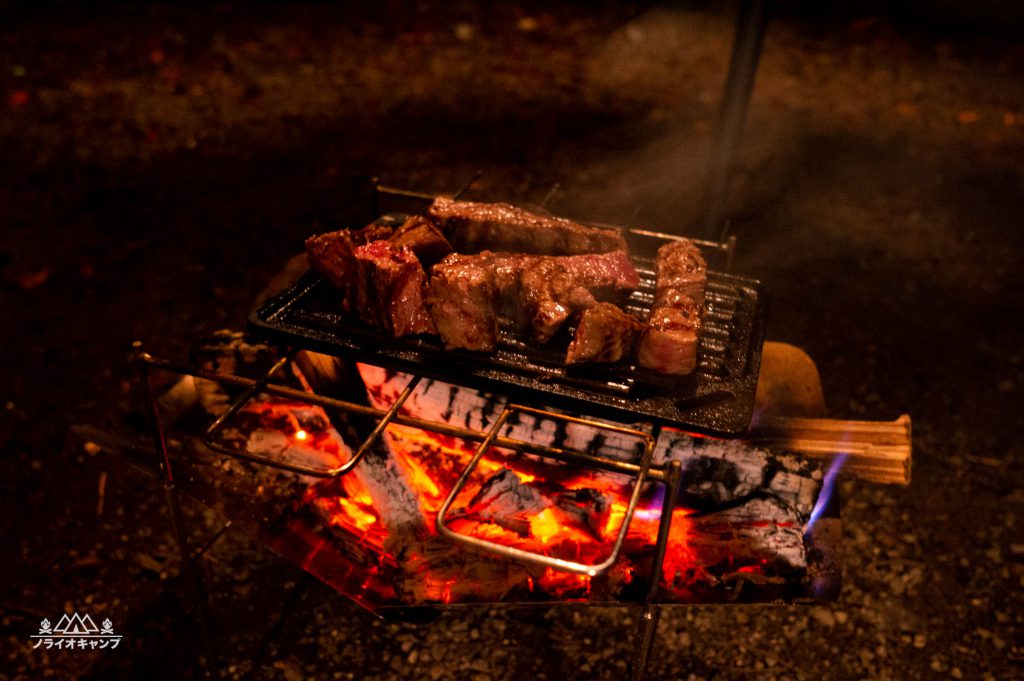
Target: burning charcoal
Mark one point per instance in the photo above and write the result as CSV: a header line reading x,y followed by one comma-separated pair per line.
x,y
750,504
472,227
321,448
724,472
389,290
440,401
605,334
462,299
505,501
424,238
286,431
586,509
763,532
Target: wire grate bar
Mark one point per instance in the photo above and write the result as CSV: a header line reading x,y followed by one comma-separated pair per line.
x,y
501,550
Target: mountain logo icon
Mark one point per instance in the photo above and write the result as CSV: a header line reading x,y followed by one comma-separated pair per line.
x,y
76,632
75,625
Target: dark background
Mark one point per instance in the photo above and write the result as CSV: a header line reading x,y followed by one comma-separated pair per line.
x,y
161,161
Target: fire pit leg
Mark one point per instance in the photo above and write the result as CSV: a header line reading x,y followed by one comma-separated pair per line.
x,y
192,578
651,613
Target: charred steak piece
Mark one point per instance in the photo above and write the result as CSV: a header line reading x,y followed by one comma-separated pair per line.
x,y
473,227
681,267
389,288
605,334
549,294
462,300
669,343
424,238
551,289
333,255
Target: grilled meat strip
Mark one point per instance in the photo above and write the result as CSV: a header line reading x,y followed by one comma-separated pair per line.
x,y
333,255
540,292
605,275
605,334
462,299
669,343
473,227
389,288
424,238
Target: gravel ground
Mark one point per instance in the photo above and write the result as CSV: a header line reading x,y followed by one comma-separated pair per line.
x,y
160,164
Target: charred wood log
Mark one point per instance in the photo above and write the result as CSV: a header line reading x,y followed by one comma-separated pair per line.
x,y
751,504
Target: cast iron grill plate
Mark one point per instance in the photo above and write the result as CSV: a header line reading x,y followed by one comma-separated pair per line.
x,y
716,399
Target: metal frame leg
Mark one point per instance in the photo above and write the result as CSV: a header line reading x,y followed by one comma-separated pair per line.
x,y
651,613
188,569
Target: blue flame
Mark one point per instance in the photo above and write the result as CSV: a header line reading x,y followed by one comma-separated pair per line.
x,y
652,510
827,487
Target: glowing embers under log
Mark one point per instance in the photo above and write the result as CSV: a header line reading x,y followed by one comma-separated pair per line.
x,y
553,509
743,521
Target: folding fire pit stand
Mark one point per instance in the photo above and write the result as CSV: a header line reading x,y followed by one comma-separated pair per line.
x,y
668,474
876,451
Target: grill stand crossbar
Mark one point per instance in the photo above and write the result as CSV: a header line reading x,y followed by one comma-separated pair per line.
x,y
668,474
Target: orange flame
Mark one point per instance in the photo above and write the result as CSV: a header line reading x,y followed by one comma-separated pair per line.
x,y
545,526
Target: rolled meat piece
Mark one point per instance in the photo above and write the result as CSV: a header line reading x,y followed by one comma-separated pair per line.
x,y
604,334
669,343
463,300
332,255
473,227
389,290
